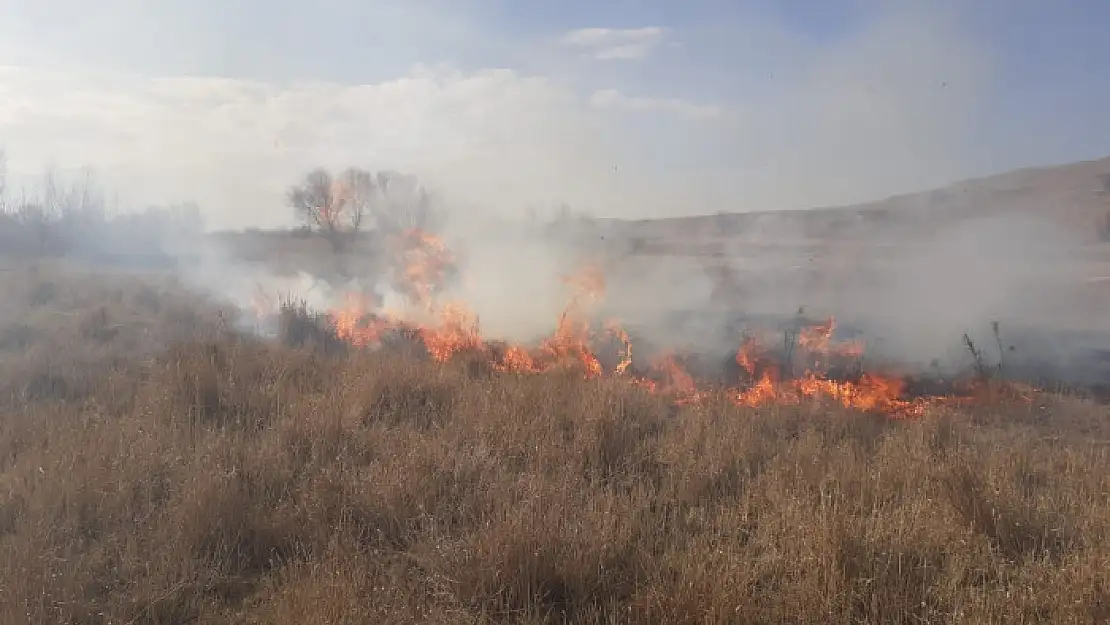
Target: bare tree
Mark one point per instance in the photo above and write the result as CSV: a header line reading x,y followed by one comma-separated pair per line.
x,y
62,213
40,215
339,207
402,203
333,205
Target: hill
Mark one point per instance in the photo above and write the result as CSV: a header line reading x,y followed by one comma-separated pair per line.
x,y
1076,196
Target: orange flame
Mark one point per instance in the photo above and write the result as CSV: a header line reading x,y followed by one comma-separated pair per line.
x,y
423,262
458,331
422,269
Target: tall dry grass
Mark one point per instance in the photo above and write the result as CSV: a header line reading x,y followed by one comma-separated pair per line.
x,y
218,479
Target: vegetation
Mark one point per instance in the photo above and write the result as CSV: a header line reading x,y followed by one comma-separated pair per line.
x,y
58,217
158,467
340,207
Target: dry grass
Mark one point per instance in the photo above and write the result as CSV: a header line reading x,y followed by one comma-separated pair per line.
x,y
205,478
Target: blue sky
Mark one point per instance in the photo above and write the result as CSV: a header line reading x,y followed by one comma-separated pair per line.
x,y
627,108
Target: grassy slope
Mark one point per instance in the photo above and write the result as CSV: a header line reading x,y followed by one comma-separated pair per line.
x,y
1074,195
155,468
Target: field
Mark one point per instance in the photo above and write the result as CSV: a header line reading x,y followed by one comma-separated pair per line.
x,y
173,451
159,466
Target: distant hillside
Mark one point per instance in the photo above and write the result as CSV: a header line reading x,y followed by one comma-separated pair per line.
x,y
1076,196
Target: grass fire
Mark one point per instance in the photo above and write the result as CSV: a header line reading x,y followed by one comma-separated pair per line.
x,y
281,427
450,329
453,312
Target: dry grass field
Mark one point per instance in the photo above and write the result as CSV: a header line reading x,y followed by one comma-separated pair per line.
x,y
158,467
163,462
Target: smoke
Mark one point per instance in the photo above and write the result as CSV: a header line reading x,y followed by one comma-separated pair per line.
x,y
911,290
919,298
911,286
962,277
512,281
728,111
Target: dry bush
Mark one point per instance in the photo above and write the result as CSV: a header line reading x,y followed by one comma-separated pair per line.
x,y
220,479
300,327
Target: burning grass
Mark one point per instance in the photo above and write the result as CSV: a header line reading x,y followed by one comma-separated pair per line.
x,y
817,368
208,477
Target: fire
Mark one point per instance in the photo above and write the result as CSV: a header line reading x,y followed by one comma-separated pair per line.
x,y
357,324
871,392
614,329
676,381
458,331
571,343
423,263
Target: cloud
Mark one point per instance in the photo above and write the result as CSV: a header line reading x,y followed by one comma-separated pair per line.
x,y
907,99
364,41
496,140
610,44
614,99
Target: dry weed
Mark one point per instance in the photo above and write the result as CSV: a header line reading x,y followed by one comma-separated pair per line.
x,y
207,478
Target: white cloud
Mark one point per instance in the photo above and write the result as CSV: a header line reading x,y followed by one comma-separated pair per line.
x,y
614,99
905,102
607,44
494,139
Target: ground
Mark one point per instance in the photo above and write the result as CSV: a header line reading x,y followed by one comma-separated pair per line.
x,y
162,462
158,466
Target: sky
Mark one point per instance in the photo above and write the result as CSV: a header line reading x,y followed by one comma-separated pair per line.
x,y
627,108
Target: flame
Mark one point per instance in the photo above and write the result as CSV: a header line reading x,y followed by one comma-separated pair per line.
x,y
358,324
871,392
614,328
457,331
423,263
677,382
571,343
516,359
817,337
